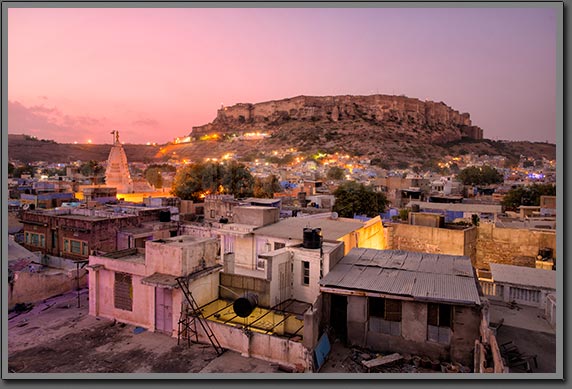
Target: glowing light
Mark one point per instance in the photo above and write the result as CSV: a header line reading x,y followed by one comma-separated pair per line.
x,y
75,142
89,141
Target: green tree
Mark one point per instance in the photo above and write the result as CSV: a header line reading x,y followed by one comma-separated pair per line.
x,y
528,196
237,180
335,173
194,181
266,187
11,169
26,169
484,175
353,198
91,168
154,177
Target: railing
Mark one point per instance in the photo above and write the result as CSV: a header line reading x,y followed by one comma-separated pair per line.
x,y
501,292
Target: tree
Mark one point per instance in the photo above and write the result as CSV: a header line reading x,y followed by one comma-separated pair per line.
x,y
353,198
11,169
154,177
266,187
195,181
527,195
237,180
484,175
335,173
91,168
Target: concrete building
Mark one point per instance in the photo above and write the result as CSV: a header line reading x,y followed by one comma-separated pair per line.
x,y
452,211
406,302
141,289
75,233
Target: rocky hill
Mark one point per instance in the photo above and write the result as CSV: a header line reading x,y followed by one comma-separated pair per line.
x,y
380,117
395,130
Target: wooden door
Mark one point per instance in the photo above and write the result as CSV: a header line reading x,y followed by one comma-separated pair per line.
x,y
164,310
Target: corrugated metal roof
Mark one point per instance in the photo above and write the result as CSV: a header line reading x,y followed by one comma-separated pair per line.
x,y
435,277
525,276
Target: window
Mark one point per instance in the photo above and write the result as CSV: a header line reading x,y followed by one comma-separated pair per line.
x,y
34,239
76,247
305,273
212,213
123,292
278,245
261,264
385,316
439,323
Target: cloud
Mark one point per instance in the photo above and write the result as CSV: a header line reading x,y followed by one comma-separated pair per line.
x,y
146,122
50,122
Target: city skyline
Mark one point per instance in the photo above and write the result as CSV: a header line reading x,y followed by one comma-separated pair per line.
x,y
153,74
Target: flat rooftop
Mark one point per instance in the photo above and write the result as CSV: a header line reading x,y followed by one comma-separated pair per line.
x,y
181,241
293,228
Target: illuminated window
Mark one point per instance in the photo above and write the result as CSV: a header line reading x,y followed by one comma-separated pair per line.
x,y
305,273
385,316
439,323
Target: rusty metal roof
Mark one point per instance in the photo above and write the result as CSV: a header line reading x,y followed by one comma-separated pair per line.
x,y
422,276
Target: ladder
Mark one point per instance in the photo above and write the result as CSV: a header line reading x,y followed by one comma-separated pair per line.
x,y
195,315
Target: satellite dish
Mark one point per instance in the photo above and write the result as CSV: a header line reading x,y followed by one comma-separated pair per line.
x,y
334,215
25,207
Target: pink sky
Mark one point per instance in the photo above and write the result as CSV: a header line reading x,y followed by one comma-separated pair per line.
x,y
152,74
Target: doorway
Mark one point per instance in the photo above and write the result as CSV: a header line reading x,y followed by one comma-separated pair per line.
x,y
339,316
164,310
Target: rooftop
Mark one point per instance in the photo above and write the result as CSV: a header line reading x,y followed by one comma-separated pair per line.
x,y
181,241
423,276
293,228
520,275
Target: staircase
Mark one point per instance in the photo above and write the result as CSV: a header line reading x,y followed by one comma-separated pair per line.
x,y
190,315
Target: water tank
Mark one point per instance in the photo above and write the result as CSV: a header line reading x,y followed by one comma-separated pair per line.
x,y
243,306
415,208
312,238
545,253
164,216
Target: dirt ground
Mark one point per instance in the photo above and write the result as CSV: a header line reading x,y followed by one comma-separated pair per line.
x,y
58,337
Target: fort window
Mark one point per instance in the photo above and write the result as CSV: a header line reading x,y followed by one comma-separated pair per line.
x,y
385,316
34,239
439,323
123,292
305,273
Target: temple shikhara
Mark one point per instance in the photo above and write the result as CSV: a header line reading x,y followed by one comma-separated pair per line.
x,y
117,172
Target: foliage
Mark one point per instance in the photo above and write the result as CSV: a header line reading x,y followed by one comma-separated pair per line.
x,y
404,214
11,169
266,187
26,169
484,175
353,198
154,177
475,219
53,172
153,173
335,173
91,168
194,181
528,196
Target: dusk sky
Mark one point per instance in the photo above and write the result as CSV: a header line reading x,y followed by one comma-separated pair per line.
x,y
153,74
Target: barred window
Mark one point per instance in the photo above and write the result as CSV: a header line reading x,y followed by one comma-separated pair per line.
x,y
34,239
123,291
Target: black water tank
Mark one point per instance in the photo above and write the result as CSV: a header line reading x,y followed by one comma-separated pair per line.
x,y
545,253
164,216
243,306
312,238
415,208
